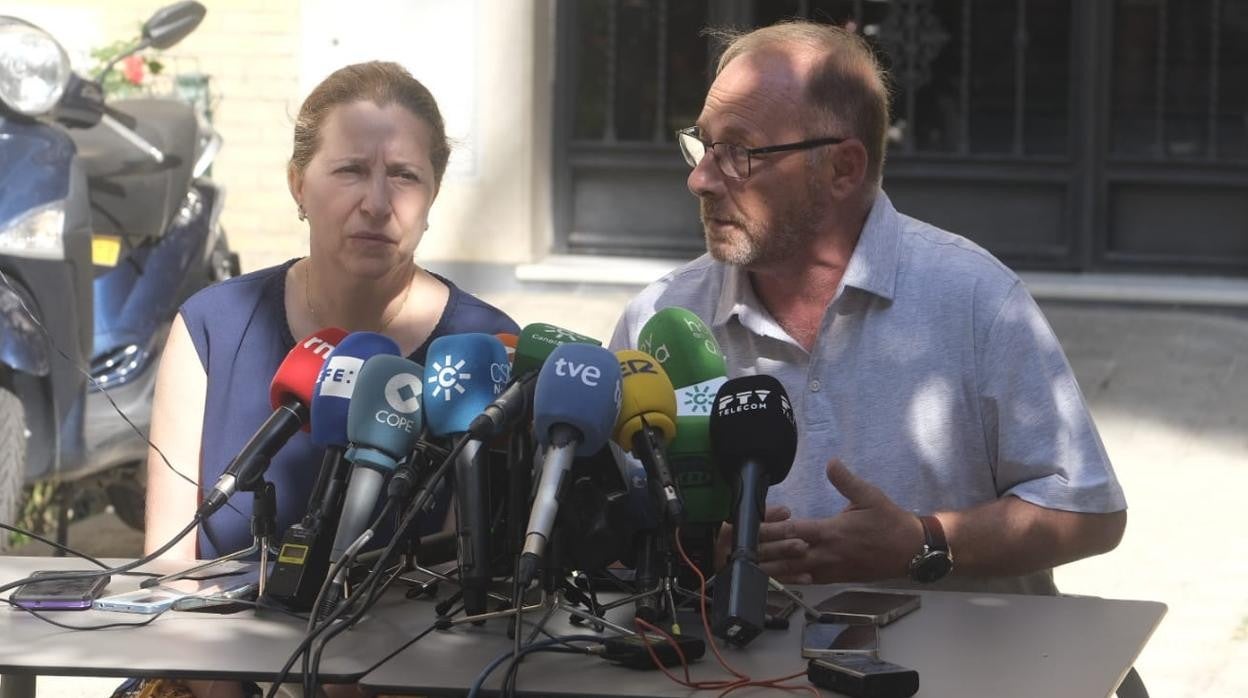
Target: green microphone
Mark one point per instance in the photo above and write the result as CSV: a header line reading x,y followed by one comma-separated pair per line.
x,y
536,342
685,348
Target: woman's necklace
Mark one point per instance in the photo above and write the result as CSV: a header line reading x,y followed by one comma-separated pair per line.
x,y
307,299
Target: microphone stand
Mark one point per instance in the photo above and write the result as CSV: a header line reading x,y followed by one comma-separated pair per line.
x,y
263,528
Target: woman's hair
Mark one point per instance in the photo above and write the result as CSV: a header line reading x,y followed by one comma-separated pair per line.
x,y
381,83
849,88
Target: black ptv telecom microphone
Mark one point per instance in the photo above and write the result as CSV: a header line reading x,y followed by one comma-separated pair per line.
x,y
753,439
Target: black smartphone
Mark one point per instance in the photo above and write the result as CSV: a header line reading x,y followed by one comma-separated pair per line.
x,y
76,594
862,676
867,606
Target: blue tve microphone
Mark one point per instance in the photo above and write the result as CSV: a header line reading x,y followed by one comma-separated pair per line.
x,y
464,374
575,404
384,421
304,558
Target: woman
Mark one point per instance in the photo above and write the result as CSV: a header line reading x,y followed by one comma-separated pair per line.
x,y
369,154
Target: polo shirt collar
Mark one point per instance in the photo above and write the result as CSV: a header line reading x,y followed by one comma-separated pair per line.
x,y
872,268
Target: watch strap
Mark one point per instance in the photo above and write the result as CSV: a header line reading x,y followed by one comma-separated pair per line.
x,y
934,533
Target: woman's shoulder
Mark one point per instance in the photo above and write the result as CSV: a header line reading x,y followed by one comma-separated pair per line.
x,y
468,313
225,314
240,289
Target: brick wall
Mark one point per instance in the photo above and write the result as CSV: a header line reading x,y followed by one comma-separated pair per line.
x,y
253,53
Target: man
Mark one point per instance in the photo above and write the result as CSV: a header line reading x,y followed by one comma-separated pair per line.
x,y
931,395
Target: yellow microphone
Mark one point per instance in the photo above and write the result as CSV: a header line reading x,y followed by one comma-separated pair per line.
x,y
647,423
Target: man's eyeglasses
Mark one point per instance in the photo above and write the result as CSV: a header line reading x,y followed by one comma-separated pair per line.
x,y
734,160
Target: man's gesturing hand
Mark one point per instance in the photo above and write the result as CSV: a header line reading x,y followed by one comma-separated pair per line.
x,y
871,539
778,545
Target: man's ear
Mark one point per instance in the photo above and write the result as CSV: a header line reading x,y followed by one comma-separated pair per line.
x,y
849,167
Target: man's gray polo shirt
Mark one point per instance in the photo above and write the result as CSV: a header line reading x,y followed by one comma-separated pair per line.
x,y
934,376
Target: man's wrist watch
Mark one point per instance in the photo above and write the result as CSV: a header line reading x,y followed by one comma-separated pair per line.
x,y
934,561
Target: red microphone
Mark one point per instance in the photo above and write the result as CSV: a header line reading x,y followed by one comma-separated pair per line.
x,y
290,394
509,342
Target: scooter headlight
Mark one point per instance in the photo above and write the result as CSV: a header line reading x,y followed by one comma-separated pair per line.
x,y
34,69
37,233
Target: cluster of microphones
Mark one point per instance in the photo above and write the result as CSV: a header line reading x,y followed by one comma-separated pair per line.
x,y
538,492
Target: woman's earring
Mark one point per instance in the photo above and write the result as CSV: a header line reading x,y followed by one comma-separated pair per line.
x,y
303,215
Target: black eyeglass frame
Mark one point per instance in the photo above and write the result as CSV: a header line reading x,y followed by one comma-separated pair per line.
x,y
692,132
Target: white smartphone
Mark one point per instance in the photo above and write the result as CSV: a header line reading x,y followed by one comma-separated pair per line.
x,y
147,601
821,639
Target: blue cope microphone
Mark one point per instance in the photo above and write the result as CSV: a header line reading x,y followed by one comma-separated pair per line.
x,y
575,404
331,399
383,424
304,558
464,374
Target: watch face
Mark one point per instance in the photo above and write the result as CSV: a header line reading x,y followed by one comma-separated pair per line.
x,y
930,566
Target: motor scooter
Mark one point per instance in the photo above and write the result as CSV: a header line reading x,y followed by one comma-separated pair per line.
x,y
108,222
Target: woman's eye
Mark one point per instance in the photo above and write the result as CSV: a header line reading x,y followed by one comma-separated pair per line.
x,y
410,176
348,169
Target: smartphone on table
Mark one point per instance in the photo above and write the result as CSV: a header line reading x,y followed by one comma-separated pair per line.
x,y
830,639
146,601
861,676
75,594
240,597
868,606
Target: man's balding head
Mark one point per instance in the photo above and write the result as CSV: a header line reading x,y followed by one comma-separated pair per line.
x,y
845,86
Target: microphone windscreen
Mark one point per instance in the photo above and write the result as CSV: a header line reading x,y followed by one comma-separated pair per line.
x,y
296,376
684,345
578,386
384,418
647,398
336,381
463,374
509,342
753,420
537,341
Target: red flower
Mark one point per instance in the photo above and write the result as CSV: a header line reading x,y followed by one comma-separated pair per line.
x,y
133,69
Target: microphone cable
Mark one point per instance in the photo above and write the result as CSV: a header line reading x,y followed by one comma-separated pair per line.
x,y
99,387
94,561
195,521
539,646
365,587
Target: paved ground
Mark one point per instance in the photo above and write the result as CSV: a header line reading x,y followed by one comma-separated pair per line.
x,y
1169,391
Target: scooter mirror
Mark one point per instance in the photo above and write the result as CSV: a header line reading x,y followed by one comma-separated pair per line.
x,y
172,23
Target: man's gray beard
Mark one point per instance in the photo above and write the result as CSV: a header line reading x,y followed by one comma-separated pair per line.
x,y
753,247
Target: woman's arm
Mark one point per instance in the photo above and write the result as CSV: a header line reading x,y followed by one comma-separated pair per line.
x,y
177,427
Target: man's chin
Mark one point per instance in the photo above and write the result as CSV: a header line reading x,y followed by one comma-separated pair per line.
x,y
729,253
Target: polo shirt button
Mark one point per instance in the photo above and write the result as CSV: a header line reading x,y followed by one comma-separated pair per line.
x,y
814,386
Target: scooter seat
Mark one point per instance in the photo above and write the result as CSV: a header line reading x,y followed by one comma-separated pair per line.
x,y
131,194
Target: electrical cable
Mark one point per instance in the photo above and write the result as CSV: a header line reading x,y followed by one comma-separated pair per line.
x,y
104,626
98,563
538,646
54,544
98,387
115,570
367,588
363,589
743,679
